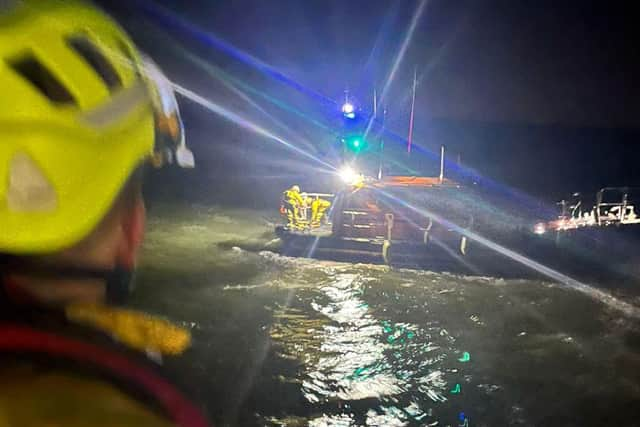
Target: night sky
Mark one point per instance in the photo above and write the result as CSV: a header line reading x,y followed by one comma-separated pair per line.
x,y
515,86
542,62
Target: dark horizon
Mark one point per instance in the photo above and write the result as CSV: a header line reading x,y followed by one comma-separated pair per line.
x,y
569,63
538,97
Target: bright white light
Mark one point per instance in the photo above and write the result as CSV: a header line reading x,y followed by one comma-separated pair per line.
x,y
540,228
348,109
348,175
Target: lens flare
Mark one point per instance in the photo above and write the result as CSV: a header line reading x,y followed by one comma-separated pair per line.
x,y
348,175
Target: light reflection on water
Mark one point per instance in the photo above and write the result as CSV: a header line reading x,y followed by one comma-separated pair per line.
x,y
401,371
295,342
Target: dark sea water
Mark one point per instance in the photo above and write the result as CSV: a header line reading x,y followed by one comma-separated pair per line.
x,y
284,341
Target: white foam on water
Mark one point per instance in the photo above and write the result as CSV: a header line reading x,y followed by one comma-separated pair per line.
x,y
272,242
245,287
341,420
626,308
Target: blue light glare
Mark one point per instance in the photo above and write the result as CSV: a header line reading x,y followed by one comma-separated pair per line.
x,y
348,108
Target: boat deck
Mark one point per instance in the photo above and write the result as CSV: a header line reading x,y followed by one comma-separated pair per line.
x,y
325,230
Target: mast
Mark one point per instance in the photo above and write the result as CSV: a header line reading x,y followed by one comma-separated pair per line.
x,y
375,103
441,164
381,134
413,105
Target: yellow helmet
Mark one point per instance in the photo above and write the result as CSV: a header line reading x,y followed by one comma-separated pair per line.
x,y
76,119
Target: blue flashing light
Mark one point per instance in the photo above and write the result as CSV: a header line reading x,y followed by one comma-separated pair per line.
x,y
348,108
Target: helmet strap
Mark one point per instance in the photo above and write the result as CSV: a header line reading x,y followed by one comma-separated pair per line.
x,y
118,280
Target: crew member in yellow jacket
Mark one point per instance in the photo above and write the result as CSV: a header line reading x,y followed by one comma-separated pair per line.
x,y
318,208
80,117
292,202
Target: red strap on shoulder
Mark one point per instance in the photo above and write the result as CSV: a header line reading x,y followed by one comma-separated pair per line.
x,y
14,292
25,339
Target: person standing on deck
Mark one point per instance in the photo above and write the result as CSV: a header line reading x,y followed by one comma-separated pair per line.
x,y
292,202
318,208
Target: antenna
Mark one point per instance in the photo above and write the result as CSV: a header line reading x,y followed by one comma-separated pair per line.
x,y
375,103
413,105
380,160
441,164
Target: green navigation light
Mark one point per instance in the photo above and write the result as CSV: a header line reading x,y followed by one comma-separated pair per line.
x,y
465,357
355,143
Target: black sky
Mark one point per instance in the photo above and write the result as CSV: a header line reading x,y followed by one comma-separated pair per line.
x,y
571,63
